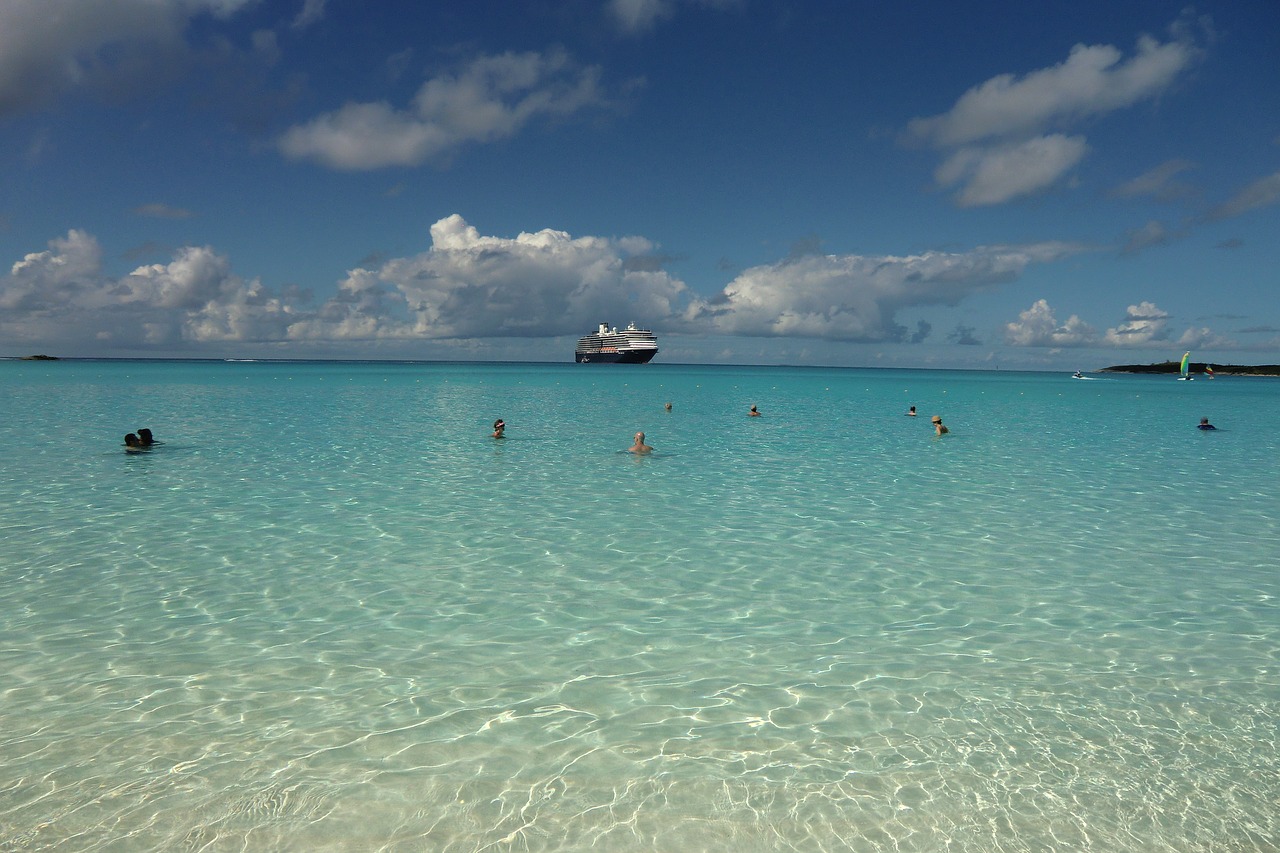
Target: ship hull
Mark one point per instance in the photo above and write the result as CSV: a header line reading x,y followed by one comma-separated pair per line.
x,y
637,357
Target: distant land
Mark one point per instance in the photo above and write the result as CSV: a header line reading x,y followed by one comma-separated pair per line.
x,y
1197,367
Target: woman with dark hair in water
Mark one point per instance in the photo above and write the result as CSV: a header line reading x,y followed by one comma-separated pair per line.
x,y
499,428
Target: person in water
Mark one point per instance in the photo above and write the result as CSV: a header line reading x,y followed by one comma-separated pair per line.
x,y
1204,424
911,412
639,446
132,444
938,426
499,428
668,407
753,413
145,438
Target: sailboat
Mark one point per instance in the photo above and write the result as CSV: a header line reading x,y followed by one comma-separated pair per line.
x,y
1208,370
1183,374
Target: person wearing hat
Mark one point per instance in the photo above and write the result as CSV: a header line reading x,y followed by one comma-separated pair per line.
x,y
498,426
938,426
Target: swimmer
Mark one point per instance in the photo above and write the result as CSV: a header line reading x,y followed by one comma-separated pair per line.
x,y
132,444
499,428
144,437
911,412
668,407
938,427
753,413
1204,424
639,446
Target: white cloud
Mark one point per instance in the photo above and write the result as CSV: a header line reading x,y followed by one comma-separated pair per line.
x,y
637,16
1205,338
1091,81
1143,324
544,283
1037,327
1152,234
470,286
853,297
43,281
999,131
48,47
160,210
466,285
312,11
999,173
1263,192
1157,183
491,98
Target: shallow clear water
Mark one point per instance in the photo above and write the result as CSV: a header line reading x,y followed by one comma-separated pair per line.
x,y
331,613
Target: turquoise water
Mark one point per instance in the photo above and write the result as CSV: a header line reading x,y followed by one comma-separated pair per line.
x,y
331,613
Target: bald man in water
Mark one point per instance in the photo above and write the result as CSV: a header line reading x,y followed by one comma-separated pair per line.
x,y
639,446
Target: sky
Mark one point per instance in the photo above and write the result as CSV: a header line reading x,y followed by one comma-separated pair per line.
x,y
1001,185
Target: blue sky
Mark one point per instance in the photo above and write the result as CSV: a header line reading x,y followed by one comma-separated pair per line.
x,y
1006,184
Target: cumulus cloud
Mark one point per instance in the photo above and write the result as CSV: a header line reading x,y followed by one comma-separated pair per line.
x,y
999,131
1263,192
855,297
468,286
1143,324
62,295
465,285
491,98
1037,327
1205,338
49,47
535,284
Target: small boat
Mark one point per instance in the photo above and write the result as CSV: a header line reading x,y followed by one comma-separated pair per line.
x,y
1208,370
1183,373
611,346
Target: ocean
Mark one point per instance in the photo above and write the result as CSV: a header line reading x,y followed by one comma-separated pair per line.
x,y
330,612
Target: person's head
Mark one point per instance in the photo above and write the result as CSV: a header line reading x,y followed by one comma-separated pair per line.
x,y
912,409
936,419
499,425
668,407
639,438
131,440
144,436
1204,420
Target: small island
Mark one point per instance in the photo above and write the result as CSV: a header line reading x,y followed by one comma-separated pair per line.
x,y
39,358
1172,367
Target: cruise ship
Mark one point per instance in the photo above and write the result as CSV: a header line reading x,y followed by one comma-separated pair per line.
x,y
611,346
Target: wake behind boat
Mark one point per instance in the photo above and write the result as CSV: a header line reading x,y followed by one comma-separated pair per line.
x,y
610,346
